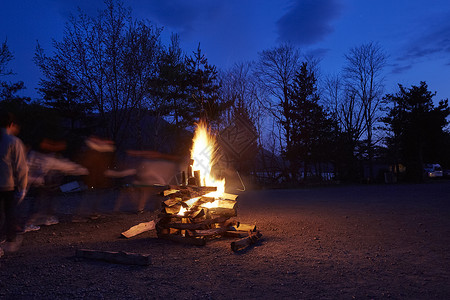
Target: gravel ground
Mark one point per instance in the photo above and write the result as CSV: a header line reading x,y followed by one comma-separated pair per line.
x,y
340,242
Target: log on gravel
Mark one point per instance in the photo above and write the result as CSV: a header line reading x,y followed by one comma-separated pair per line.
x,y
115,257
252,238
138,229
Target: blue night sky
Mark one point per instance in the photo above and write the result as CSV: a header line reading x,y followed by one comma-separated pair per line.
x,y
414,33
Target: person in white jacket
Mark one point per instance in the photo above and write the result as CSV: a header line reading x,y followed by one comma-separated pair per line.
x,y
13,179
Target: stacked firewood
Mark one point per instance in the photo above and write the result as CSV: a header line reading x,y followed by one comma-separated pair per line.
x,y
186,214
190,213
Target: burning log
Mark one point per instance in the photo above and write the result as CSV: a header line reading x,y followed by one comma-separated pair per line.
x,y
252,238
222,211
194,226
197,214
197,178
228,196
172,209
115,257
199,207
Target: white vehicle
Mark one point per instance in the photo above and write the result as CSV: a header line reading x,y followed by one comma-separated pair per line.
x,y
433,170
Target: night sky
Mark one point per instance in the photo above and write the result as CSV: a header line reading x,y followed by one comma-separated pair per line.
x,y
414,33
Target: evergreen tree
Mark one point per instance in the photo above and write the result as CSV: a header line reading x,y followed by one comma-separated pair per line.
x,y
65,98
415,128
310,128
203,88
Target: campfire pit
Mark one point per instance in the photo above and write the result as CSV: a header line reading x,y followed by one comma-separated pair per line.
x,y
199,209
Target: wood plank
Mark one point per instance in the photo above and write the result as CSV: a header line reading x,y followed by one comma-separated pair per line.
x,y
170,191
172,201
138,229
115,257
224,212
227,203
228,196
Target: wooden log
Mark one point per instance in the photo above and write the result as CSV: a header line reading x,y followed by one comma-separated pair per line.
x,y
197,178
230,223
205,200
197,214
138,229
235,234
228,196
192,181
201,189
189,170
210,232
183,178
245,227
170,192
198,241
245,242
172,201
227,203
194,226
172,210
115,257
224,212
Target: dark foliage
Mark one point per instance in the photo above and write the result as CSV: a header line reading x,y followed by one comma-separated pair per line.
x,y
311,130
415,127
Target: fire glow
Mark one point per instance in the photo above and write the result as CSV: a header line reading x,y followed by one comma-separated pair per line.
x,y
198,209
203,152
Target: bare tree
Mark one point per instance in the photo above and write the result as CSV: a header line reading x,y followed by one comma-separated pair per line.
x,y
238,87
275,71
344,107
364,79
347,111
110,58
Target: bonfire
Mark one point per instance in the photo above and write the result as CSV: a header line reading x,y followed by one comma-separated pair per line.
x,y
199,209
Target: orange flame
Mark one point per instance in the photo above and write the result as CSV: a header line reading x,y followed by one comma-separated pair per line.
x,y
202,153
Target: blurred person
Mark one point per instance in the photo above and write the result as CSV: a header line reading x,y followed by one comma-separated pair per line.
x,y
97,158
45,175
13,179
153,172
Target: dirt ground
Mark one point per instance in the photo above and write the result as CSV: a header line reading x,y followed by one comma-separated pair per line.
x,y
340,242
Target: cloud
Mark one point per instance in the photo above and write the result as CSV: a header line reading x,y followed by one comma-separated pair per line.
x,y
70,7
398,68
180,15
319,53
308,21
432,42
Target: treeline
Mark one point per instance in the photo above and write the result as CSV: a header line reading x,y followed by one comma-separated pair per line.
x,y
111,73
